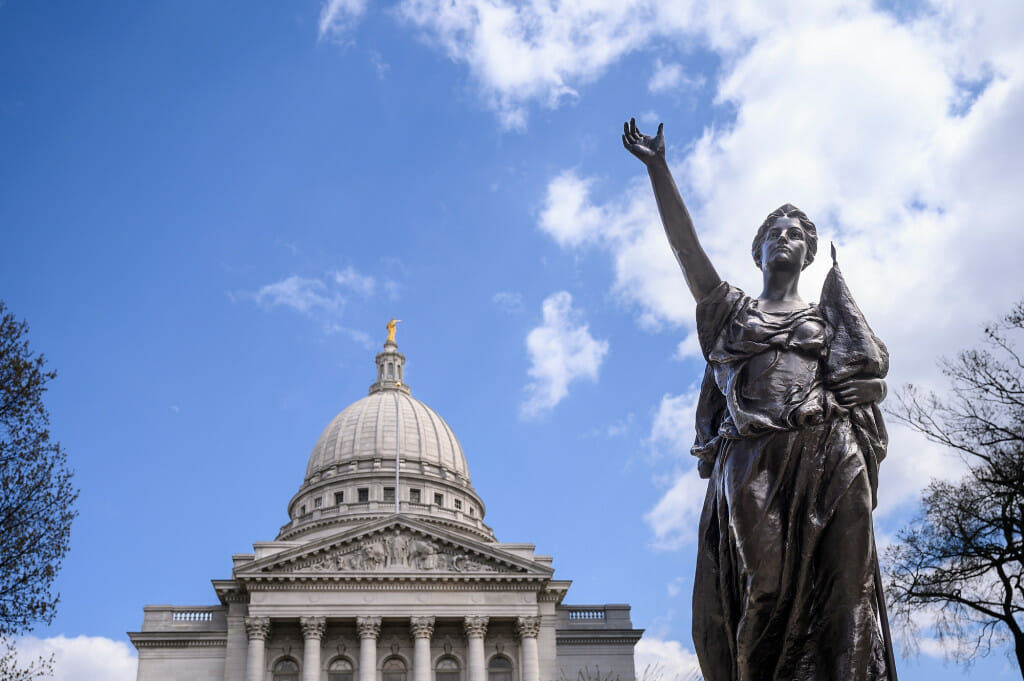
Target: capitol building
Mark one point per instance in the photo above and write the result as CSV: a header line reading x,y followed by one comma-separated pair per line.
x,y
386,571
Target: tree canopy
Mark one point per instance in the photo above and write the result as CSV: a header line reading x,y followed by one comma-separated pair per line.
x,y
960,564
37,499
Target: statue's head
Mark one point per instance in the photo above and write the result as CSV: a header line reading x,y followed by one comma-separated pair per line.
x,y
787,210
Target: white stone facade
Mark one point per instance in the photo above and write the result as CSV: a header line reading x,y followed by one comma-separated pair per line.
x,y
396,579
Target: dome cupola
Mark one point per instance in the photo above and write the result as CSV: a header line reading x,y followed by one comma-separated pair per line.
x,y
384,454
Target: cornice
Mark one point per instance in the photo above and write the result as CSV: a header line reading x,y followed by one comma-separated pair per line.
x,y
294,583
357,518
145,639
621,636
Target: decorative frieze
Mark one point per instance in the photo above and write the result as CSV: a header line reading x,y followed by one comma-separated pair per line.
x,y
368,627
313,627
421,627
528,627
475,626
257,628
399,551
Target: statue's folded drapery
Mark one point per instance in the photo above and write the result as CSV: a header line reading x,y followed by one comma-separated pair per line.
x,y
786,583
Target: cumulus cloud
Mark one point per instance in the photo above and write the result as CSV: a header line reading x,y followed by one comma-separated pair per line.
x,y
82,658
665,659
300,293
339,17
561,351
906,155
673,519
670,76
646,275
323,299
520,53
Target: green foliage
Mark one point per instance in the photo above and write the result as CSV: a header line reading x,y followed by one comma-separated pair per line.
x,y
36,496
960,564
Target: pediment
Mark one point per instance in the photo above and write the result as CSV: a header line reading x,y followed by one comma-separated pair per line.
x,y
396,548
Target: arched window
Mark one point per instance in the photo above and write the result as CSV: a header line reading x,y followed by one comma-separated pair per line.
x,y
447,669
286,670
394,669
340,670
499,669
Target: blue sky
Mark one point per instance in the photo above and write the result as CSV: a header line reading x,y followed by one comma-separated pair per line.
x,y
210,211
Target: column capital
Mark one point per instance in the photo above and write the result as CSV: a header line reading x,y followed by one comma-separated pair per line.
x,y
257,628
313,627
421,627
369,627
528,627
476,626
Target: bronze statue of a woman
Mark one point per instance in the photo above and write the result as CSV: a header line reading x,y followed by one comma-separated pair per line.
x,y
790,436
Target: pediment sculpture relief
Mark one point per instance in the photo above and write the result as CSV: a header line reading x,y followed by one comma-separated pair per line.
x,y
399,552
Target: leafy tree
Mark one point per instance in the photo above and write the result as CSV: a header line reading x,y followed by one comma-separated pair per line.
x,y
961,562
36,496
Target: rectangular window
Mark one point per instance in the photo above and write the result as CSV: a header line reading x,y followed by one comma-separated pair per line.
x,y
414,496
389,494
318,502
364,494
438,499
458,504
302,510
472,511
339,498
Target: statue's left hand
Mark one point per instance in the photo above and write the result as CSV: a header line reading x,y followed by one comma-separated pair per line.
x,y
859,391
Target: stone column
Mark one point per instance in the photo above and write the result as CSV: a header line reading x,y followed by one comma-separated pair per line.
x,y
527,629
476,627
257,628
369,630
312,631
422,629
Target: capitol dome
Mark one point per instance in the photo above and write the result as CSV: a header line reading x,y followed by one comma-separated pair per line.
x,y
384,454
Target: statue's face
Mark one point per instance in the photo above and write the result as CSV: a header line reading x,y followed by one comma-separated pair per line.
x,y
785,245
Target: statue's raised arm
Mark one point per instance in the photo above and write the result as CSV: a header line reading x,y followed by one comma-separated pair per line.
x,y
700,274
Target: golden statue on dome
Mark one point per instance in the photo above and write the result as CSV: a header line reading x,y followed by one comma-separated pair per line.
x,y
391,327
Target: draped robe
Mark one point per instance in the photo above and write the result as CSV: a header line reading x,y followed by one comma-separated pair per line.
x,y
786,585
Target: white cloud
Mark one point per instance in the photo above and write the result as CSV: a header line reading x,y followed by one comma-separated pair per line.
x,y
913,174
509,301
561,351
670,76
665,660
673,519
646,274
323,299
82,658
349,278
299,293
519,53
339,17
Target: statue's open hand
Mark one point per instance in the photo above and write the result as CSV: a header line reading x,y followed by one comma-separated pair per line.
x,y
859,391
644,147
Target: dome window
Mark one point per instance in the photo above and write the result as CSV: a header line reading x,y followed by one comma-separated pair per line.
x,y
414,496
389,494
339,498
318,502
364,494
438,499
458,504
